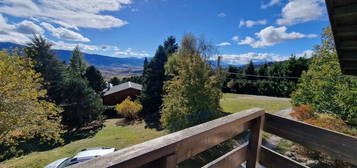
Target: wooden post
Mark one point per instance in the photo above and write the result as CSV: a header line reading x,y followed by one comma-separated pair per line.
x,y
255,140
168,161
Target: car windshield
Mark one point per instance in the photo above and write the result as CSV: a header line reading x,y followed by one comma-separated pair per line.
x,y
72,161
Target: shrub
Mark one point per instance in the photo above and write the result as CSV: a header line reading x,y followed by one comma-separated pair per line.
x,y
329,121
306,114
129,109
303,112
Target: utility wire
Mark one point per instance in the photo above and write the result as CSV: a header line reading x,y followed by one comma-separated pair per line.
x,y
275,77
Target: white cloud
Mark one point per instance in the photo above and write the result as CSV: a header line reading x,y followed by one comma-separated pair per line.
x,y
18,33
224,44
238,59
28,27
271,36
64,34
248,40
305,54
300,11
235,38
251,23
68,13
241,59
271,3
129,53
221,14
60,45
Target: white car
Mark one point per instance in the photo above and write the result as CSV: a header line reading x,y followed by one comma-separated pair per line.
x,y
84,155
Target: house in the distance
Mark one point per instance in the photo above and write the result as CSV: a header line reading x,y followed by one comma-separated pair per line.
x,y
116,94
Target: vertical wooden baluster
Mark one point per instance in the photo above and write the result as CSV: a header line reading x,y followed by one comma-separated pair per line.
x,y
255,140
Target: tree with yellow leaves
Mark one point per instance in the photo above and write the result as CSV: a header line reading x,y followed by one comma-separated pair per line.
x,y
129,109
24,112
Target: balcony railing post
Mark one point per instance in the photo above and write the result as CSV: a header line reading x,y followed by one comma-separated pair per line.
x,y
255,141
168,161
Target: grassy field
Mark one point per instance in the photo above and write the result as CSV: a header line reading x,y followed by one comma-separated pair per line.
x,y
110,136
234,103
123,136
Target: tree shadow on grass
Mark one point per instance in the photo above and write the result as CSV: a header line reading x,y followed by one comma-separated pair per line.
x,y
36,145
84,132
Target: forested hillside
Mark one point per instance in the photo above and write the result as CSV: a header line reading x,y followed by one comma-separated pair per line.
x,y
271,79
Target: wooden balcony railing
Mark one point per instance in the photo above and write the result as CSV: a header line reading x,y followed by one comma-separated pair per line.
x,y
170,150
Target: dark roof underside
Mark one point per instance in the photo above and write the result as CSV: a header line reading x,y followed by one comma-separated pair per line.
x,y
343,18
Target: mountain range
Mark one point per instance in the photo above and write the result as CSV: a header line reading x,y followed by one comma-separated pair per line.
x,y
92,59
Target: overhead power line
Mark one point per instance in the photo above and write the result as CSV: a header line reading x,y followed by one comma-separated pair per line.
x,y
259,76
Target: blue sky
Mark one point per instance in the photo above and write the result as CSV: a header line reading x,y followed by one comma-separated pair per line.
x,y
262,30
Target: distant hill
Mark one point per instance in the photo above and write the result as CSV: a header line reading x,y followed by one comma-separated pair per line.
x,y
93,59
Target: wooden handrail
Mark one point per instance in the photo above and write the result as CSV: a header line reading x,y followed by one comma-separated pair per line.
x,y
169,150
337,145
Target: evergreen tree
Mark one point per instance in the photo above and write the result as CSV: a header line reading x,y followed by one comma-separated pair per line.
x,y
153,81
95,79
77,65
145,65
48,65
263,70
115,81
250,70
170,45
81,103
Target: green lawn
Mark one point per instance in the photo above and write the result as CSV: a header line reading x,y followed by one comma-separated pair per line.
x,y
110,136
235,102
124,136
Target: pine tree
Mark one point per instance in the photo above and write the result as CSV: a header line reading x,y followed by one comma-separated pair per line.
x,y
145,67
250,70
145,64
170,45
77,65
153,81
48,65
115,81
263,70
95,79
82,104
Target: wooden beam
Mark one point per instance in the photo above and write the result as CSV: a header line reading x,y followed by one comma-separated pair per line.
x,y
231,159
346,11
338,146
339,3
255,141
184,144
270,158
346,28
349,65
349,72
